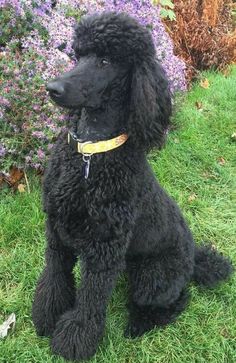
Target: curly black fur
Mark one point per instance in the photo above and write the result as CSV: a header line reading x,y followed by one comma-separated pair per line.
x,y
119,218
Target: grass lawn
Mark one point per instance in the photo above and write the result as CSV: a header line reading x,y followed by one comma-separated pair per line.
x,y
197,168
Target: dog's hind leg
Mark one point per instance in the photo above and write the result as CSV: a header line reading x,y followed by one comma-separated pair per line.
x,y
55,291
158,291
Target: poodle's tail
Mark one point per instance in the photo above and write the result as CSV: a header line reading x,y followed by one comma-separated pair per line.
x,y
211,267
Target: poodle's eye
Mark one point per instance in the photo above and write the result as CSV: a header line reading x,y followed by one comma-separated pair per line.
x,y
104,62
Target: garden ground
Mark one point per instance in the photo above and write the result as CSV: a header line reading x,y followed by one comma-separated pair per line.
x,y
197,167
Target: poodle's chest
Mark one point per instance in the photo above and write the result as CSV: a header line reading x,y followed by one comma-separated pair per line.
x,y
78,206
74,206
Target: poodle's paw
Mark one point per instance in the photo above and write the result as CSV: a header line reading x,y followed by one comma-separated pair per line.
x,y
43,322
75,338
52,298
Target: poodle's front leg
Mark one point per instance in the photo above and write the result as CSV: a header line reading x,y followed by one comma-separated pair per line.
x,y
55,291
79,331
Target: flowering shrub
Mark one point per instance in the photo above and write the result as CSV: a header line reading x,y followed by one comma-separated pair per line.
x,y
35,45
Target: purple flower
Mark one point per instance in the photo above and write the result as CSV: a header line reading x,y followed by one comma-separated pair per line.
x,y
40,154
36,107
2,151
4,102
39,135
28,159
37,166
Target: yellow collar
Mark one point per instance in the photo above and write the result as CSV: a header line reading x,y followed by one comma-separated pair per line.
x,y
89,147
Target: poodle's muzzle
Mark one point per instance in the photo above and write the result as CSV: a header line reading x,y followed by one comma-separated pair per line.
x,y
87,85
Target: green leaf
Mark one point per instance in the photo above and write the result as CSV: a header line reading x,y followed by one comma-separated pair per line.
x,y
167,3
167,13
171,15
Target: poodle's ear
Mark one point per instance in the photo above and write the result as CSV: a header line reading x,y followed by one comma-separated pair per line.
x,y
150,105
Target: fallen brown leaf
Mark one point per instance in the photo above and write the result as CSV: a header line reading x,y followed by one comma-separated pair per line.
x,y
221,161
205,83
192,197
198,105
227,71
15,176
21,188
209,175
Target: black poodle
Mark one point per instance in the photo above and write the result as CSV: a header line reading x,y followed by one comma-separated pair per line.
x,y
103,202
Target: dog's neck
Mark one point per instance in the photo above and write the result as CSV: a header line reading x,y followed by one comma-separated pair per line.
x,y
101,124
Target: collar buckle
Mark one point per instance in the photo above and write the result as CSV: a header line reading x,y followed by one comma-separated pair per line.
x,y
81,147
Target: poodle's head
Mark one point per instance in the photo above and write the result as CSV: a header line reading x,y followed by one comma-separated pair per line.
x,y
117,64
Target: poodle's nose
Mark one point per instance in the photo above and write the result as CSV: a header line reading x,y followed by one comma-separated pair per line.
x,y
55,88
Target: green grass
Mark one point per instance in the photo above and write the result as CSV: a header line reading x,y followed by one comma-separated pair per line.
x,y
190,165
